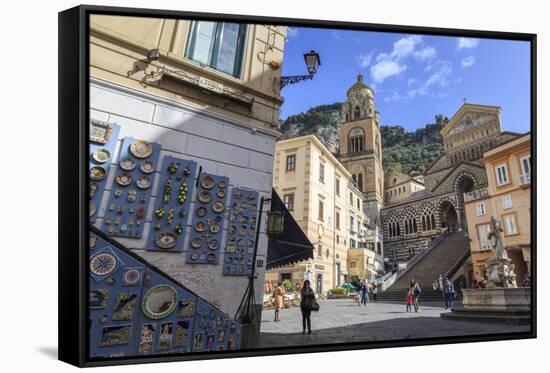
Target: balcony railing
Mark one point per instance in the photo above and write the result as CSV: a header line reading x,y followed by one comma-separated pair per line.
x,y
525,179
476,194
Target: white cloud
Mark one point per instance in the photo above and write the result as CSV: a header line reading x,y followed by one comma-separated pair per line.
x,y
425,54
442,70
468,61
364,60
292,32
405,46
411,81
466,43
385,69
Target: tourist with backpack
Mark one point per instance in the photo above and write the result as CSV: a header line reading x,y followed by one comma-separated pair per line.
x,y
416,290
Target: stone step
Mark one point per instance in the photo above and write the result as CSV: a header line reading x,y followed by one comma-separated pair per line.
x,y
497,317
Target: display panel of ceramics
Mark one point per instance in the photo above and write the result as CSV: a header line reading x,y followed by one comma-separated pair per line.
x,y
103,138
135,310
131,190
208,219
241,232
214,331
172,207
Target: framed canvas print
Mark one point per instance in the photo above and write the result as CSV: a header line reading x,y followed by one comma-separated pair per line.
x,y
236,186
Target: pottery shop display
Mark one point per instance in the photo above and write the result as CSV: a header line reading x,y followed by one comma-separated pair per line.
x,y
132,188
173,205
241,234
208,219
103,138
214,330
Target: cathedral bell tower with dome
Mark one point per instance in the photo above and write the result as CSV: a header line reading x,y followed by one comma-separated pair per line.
x,y
361,147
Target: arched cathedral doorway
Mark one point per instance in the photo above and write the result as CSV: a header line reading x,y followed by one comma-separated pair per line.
x,y
448,216
464,183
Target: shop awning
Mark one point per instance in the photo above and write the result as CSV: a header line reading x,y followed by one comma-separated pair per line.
x,y
293,245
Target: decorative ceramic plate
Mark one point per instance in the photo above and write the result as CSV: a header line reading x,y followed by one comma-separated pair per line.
x,y
221,193
204,196
144,182
215,228
221,184
232,229
213,245
194,256
207,182
196,242
211,257
132,276
92,209
200,226
166,240
103,264
101,155
147,167
251,196
201,211
159,301
100,132
127,164
141,149
97,173
218,206
123,179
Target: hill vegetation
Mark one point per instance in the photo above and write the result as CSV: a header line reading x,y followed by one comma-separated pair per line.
x,y
402,150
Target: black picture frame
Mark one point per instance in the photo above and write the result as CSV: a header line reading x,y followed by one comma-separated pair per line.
x,y
73,231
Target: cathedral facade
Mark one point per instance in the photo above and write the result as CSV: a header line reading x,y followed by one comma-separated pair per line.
x,y
410,224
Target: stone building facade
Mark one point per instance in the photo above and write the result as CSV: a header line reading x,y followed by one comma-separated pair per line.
x,y
410,224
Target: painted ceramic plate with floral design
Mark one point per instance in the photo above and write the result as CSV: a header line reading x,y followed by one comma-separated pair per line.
x,y
127,164
101,155
147,167
207,182
97,173
141,149
144,182
123,179
166,240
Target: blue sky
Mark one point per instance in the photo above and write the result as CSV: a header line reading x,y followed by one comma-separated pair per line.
x,y
415,77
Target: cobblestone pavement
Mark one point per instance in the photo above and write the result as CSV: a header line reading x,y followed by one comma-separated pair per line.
x,y
341,321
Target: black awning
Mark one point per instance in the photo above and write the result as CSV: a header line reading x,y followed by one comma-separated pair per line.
x,y
293,245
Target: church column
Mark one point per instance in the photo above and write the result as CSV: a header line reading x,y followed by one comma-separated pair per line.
x,y
459,219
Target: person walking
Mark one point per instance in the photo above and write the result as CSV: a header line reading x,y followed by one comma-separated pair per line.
x,y
448,293
415,288
306,305
374,291
409,300
364,290
278,296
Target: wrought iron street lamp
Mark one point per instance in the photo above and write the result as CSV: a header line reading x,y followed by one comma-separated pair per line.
x,y
313,61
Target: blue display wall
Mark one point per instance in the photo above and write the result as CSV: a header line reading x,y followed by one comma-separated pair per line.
x,y
135,309
241,232
103,139
208,219
132,187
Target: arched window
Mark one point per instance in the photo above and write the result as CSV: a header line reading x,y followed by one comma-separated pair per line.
x,y
356,140
357,113
428,222
360,182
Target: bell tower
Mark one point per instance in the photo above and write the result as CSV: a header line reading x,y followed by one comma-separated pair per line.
x,y
361,147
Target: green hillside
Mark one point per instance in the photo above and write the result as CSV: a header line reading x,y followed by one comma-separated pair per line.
x,y
402,150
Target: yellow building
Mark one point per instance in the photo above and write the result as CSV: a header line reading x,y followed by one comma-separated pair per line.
x,y
508,198
323,200
204,91
398,186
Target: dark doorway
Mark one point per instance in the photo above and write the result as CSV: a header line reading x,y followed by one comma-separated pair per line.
x,y
319,285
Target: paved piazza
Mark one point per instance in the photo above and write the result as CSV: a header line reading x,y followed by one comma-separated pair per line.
x,y
341,321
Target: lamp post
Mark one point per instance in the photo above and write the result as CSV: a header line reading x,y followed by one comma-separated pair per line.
x,y
312,61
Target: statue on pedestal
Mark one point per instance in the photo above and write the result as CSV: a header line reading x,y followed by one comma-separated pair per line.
x,y
500,270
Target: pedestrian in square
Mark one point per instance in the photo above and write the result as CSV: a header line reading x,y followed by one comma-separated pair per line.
x,y
409,300
278,296
374,291
306,306
416,290
448,293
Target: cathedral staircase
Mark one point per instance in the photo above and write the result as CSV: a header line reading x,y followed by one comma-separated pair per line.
x,y
444,256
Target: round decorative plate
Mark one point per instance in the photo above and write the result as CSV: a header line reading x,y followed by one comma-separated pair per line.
x,y
144,182
147,167
123,179
101,155
221,193
196,242
251,196
159,301
201,211
207,182
103,264
218,206
215,228
141,149
221,184
132,276
127,164
204,196
213,245
200,226
166,240
97,173
194,256
211,257
92,208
